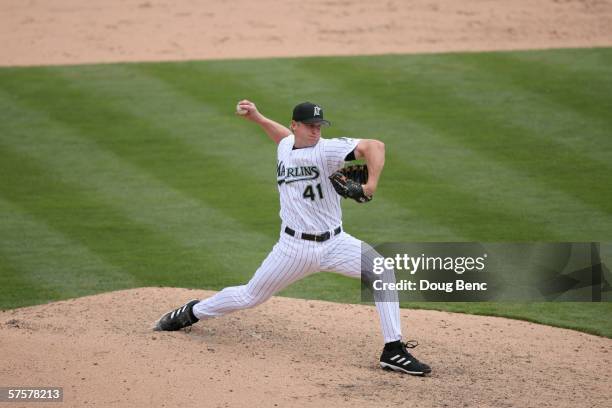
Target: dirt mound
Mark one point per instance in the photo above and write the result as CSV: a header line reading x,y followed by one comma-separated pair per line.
x,y
290,352
73,31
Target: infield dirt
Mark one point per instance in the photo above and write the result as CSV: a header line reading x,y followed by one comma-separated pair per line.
x,y
39,32
290,352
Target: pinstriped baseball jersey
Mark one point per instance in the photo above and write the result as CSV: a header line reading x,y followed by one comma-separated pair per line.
x,y
308,201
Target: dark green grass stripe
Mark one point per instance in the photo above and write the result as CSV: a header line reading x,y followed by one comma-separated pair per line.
x,y
165,156
534,208
460,209
117,184
388,220
527,140
139,198
558,113
212,84
17,289
51,264
591,86
208,127
475,126
146,255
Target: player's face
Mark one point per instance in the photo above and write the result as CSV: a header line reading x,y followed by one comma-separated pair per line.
x,y
306,134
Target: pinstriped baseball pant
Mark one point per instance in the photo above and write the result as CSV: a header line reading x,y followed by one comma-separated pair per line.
x,y
292,259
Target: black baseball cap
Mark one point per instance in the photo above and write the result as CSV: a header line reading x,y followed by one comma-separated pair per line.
x,y
308,112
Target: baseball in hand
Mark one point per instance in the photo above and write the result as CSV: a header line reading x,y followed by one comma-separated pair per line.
x,y
240,111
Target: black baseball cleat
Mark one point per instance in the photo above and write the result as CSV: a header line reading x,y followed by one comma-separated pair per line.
x,y
178,318
396,357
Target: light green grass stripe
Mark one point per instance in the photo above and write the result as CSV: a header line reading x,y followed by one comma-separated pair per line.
x,y
580,61
48,259
493,184
478,105
506,81
208,127
210,130
588,72
163,154
78,214
556,214
16,288
139,196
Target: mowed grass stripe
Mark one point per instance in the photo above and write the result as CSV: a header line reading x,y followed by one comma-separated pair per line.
x,y
592,61
17,290
121,185
532,210
444,180
496,133
223,83
591,81
80,215
573,127
209,128
182,221
49,264
136,140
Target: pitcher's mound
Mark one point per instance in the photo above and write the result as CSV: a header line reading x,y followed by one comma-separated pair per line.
x,y
290,352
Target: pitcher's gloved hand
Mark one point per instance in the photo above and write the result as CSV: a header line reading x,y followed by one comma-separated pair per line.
x,y
348,182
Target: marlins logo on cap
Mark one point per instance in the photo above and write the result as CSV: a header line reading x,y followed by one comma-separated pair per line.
x,y
308,112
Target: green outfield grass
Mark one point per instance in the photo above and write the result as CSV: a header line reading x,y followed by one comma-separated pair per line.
x,y
127,175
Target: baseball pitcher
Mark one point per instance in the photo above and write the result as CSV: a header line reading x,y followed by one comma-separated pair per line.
x,y
312,180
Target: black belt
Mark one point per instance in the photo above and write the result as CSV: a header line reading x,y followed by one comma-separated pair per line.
x,y
312,237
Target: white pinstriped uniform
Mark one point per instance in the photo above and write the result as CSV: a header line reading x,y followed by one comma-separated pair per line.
x,y
309,204
308,169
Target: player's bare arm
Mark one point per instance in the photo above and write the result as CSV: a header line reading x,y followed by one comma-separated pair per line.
x,y
373,152
274,130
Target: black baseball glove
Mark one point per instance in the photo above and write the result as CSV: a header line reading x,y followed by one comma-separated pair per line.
x,y
348,182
